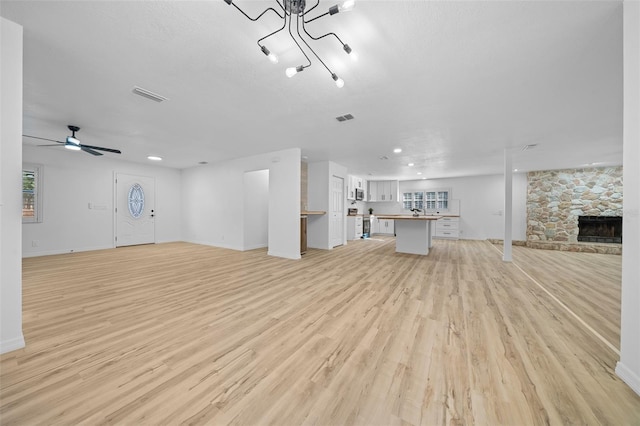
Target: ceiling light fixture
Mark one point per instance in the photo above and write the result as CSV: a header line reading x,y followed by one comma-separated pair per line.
x,y
397,150
154,158
297,8
148,94
410,164
72,143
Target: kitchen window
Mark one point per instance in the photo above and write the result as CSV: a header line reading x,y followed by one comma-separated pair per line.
x,y
432,200
31,193
413,200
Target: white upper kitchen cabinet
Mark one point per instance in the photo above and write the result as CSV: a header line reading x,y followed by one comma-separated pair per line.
x,y
383,190
353,183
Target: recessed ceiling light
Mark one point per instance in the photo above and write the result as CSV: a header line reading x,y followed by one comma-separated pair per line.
x,y
419,173
397,150
410,164
515,170
424,178
154,158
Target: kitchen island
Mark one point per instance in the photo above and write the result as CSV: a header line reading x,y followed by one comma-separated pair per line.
x,y
413,233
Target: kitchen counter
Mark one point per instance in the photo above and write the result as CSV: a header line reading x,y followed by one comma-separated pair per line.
x,y
407,217
311,212
413,233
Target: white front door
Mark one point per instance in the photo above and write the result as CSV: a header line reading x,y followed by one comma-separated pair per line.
x,y
135,210
337,211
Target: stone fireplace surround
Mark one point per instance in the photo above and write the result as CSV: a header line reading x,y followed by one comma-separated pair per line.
x,y
556,198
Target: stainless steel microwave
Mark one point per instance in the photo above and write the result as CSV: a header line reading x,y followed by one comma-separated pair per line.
x,y
359,194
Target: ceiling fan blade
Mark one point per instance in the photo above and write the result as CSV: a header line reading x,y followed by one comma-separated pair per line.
x,y
44,139
115,151
89,150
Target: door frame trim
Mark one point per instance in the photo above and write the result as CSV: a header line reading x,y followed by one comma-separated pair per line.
x,y
114,213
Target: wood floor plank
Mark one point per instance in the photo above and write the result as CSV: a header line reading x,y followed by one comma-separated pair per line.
x,y
183,333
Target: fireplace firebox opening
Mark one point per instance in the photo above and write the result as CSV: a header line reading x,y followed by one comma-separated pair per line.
x,y
600,229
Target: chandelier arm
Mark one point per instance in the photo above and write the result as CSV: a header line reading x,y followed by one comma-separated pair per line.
x,y
322,36
284,23
259,16
282,7
298,44
305,42
317,17
314,6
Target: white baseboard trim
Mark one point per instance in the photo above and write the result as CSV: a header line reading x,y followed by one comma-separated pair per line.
x,y
255,246
213,244
285,255
628,376
63,251
12,344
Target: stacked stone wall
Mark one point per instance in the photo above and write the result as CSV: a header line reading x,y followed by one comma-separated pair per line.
x,y
556,198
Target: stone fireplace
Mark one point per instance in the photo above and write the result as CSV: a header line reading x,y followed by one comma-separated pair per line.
x,y
557,199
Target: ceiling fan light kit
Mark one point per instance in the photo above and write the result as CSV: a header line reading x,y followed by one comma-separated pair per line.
x,y
289,8
73,143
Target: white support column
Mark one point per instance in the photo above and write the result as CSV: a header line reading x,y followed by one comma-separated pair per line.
x,y
508,205
628,368
11,337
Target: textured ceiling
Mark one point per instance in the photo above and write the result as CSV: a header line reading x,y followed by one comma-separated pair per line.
x,y
451,83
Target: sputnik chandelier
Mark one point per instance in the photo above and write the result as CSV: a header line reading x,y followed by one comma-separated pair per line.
x,y
297,7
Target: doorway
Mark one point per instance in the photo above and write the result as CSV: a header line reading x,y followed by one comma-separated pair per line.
x,y
135,210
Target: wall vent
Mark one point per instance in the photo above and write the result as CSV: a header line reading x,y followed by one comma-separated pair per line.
x,y
148,94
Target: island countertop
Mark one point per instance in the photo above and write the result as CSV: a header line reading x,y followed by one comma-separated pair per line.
x,y
406,217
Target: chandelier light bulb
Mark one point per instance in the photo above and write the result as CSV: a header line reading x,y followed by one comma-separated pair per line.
x,y
273,58
291,71
338,80
347,6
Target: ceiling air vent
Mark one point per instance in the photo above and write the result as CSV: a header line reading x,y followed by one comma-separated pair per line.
x,y
148,94
345,117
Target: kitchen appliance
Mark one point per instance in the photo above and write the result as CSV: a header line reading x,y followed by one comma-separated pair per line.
x,y
366,226
359,194
353,212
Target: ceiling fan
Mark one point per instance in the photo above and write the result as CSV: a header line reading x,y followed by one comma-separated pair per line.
x,y
74,144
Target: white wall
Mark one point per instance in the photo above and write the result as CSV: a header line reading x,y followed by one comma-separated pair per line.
x,y
72,180
628,367
213,208
319,227
481,204
256,209
11,337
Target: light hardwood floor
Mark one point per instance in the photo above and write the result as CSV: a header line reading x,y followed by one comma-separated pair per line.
x,y
182,333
